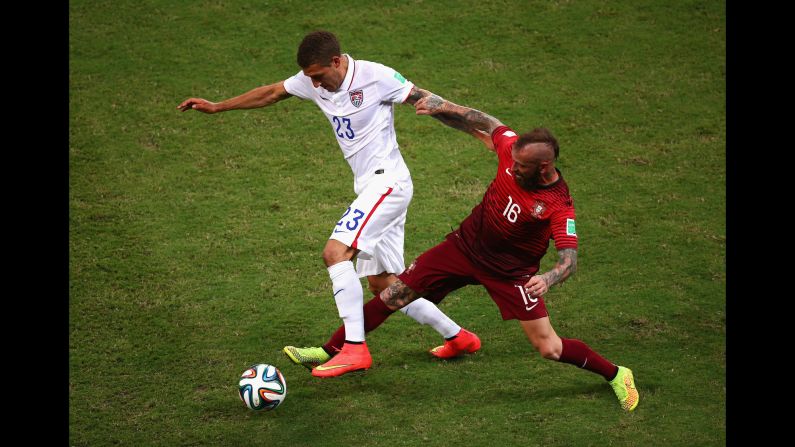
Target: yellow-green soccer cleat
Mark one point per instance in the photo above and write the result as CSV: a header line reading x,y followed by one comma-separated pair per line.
x,y
307,357
624,386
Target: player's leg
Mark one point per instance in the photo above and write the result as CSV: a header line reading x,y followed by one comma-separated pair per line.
x,y
346,287
387,239
425,312
436,273
375,312
389,258
361,227
568,350
347,296
515,304
458,340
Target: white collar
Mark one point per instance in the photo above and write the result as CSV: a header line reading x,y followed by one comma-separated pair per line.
x,y
350,74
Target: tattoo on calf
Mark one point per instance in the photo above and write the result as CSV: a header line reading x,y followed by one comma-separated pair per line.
x,y
398,294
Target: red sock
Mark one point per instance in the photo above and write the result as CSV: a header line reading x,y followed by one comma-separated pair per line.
x,y
375,313
580,355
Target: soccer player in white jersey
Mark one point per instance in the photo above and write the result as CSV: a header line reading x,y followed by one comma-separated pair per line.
x,y
357,98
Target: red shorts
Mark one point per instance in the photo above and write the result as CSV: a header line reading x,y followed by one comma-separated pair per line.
x,y
444,268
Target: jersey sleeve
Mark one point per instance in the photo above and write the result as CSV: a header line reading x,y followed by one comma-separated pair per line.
x,y
503,138
392,86
298,85
563,229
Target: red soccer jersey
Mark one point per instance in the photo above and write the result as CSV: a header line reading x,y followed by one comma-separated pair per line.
x,y
508,232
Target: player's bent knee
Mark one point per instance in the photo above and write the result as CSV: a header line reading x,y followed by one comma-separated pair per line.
x,y
548,349
550,354
334,254
331,257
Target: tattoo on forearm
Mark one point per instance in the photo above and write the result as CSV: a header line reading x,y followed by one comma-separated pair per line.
x,y
567,266
481,121
458,117
453,121
398,294
434,102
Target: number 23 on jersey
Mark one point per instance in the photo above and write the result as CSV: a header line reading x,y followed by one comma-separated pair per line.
x,y
343,127
352,222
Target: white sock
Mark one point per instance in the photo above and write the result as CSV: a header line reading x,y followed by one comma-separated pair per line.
x,y
349,297
425,312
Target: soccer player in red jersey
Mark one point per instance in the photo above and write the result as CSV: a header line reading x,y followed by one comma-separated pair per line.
x,y
501,243
500,246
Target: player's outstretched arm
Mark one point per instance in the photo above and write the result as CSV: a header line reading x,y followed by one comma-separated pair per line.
x,y
258,97
454,121
538,285
469,118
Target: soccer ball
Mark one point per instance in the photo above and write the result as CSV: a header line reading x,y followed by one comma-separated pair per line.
x,y
262,387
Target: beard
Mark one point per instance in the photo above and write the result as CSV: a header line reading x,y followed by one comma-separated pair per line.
x,y
530,182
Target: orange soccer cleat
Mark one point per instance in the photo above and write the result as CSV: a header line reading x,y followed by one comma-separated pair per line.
x,y
352,357
464,343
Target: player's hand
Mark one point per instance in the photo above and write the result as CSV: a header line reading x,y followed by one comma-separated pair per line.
x,y
537,286
202,105
429,105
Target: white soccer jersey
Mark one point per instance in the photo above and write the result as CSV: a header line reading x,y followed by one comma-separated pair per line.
x,y
361,117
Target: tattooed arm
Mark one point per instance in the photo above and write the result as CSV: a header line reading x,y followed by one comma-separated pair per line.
x,y
566,266
469,119
398,295
452,120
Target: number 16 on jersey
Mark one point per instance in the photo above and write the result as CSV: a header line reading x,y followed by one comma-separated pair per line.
x,y
512,210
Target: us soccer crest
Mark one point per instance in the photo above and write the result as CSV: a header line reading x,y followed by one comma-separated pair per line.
x,y
357,97
538,209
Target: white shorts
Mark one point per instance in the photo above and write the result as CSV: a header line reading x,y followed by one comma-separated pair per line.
x,y
375,225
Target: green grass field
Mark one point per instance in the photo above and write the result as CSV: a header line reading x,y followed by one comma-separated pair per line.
x,y
195,240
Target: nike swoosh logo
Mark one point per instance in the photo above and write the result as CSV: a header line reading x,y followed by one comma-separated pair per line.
x,y
507,171
531,307
338,291
326,368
